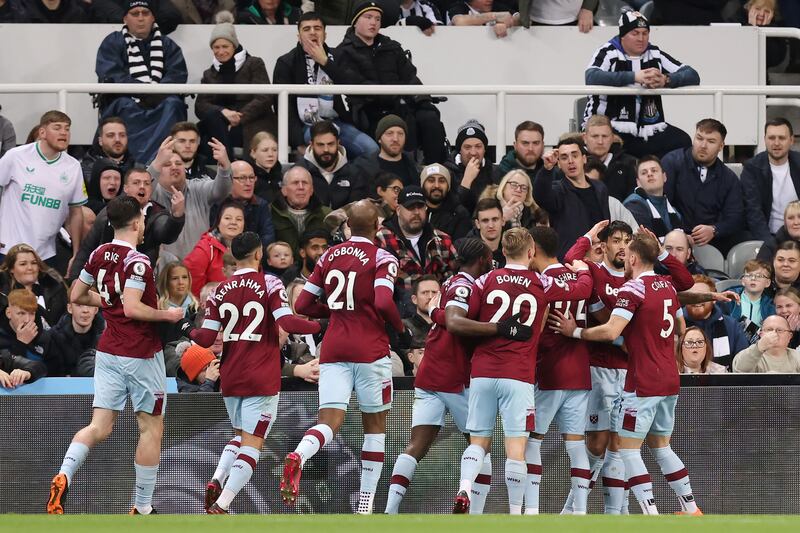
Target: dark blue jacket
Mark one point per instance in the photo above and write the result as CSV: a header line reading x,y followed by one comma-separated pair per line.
x,y
112,60
757,186
718,326
257,218
716,202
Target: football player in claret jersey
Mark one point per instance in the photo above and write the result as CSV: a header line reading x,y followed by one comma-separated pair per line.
x,y
129,359
358,279
562,386
248,307
647,311
504,370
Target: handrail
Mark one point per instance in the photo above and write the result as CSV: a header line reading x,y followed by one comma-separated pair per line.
x,y
500,92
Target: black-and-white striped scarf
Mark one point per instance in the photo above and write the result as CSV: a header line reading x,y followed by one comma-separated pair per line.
x,y
137,67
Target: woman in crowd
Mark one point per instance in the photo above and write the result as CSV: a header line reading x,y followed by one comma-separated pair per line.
x,y
264,159
104,184
790,231
388,187
514,193
174,290
205,262
22,268
787,305
694,354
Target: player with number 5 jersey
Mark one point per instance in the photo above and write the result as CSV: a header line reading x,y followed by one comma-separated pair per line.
x,y
248,307
358,279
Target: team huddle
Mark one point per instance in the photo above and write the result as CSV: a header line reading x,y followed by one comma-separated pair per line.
x,y
589,345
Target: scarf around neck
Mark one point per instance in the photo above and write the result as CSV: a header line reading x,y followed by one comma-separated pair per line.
x,y
137,67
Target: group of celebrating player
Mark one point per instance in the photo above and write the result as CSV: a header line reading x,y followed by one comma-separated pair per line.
x,y
513,340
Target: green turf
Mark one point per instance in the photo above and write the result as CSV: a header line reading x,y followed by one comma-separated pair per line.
x,y
402,523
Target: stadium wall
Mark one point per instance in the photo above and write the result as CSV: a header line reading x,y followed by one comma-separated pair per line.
x,y
723,55
737,435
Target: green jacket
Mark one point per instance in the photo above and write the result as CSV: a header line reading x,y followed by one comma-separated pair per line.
x,y
285,229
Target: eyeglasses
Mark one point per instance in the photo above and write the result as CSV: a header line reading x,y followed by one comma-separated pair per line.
x,y
779,331
754,277
245,179
395,189
694,344
518,186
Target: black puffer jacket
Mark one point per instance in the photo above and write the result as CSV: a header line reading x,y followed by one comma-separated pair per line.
x,y
67,346
451,217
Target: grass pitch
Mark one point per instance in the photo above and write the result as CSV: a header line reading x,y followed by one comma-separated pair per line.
x,y
401,523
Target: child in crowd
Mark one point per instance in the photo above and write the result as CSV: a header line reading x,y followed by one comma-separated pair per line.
x,y
756,303
199,371
228,265
416,353
280,261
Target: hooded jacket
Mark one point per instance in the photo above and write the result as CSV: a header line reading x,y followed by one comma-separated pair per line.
x,y
68,346
338,187
96,201
726,334
205,263
95,153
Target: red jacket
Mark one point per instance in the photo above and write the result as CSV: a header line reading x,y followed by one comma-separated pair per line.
x,y
205,262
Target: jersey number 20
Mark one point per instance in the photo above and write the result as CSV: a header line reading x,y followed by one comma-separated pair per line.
x,y
505,303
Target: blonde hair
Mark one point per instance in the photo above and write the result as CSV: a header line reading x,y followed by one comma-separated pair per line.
x,y
528,201
516,242
163,286
489,192
794,205
764,4
275,244
259,137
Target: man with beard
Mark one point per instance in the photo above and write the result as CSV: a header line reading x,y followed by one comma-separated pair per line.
x,y
444,211
489,228
336,182
312,245
470,169
771,180
527,152
112,143
620,176
297,209
187,145
419,247
391,135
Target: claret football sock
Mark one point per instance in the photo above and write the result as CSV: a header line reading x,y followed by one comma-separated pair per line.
x,y
402,474
533,458
481,486
145,484
227,458
613,483
314,439
579,473
639,480
516,473
73,459
677,476
241,472
471,463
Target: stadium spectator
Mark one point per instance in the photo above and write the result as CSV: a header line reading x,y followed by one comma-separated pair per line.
x,y
391,136
269,12
559,13
280,262
161,225
16,370
372,58
54,12
420,13
12,11
8,137
687,12
187,145
727,335
74,339
620,174
489,228
647,202
297,209
312,62
22,268
787,305
755,301
678,243
771,354
112,11
205,262
257,215
111,143
198,195
771,180
264,159
705,191
445,212
313,244
786,266
762,13
41,182
174,286
22,332
629,59
481,13
336,181
790,231
574,202
695,354
205,11
424,292
515,194
140,53
388,188
104,184
234,118
302,350
199,370
469,168
527,151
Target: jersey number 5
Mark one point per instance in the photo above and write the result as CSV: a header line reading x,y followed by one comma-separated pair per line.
x,y
505,303
230,323
669,319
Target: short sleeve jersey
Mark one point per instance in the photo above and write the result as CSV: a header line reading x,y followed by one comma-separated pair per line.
x,y
501,294
650,304
607,283
563,362
445,367
348,275
38,190
246,308
112,268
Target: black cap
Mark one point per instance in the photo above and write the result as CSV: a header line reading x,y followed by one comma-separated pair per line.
x,y
410,196
133,4
244,244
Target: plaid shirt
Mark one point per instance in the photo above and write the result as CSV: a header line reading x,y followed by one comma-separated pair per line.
x,y
440,254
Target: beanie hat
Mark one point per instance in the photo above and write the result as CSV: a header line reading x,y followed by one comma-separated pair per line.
x,y
472,128
389,121
362,8
195,359
133,4
224,30
434,170
630,20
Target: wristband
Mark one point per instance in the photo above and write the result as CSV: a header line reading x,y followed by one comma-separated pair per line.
x,y
577,333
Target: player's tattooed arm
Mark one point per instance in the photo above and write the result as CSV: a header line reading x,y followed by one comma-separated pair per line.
x,y
688,298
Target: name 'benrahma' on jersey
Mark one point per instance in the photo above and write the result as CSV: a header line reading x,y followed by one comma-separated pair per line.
x,y
504,292
650,304
348,274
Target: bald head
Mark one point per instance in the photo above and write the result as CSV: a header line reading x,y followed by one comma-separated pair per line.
x,y
782,331
363,219
244,181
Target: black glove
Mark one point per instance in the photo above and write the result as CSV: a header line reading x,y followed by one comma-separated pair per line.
x,y
422,23
512,329
185,326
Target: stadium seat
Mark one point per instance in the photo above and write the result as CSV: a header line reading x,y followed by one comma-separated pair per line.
x,y
709,258
736,168
739,255
576,122
727,284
